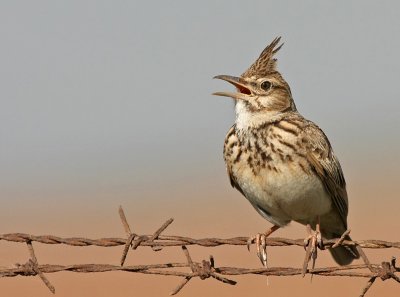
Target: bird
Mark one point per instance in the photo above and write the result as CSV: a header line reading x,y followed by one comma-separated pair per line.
x,y
281,162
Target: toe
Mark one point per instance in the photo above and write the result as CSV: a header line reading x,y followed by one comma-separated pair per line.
x,y
263,250
249,242
258,243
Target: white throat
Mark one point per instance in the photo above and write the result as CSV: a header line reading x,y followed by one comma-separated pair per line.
x,y
247,120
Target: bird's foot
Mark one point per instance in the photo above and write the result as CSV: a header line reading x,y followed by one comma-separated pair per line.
x,y
261,244
311,245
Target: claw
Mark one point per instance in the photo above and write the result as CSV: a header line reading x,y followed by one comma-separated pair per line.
x,y
261,244
319,236
263,250
258,239
306,241
319,241
249,242
311,244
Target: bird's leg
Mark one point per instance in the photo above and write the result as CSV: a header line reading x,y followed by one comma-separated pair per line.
x,y
261,244
319,236
311,245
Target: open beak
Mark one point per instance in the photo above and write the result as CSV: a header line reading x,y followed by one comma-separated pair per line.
x,y
240,84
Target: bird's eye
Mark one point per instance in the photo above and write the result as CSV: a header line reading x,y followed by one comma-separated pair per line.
x,y
266,85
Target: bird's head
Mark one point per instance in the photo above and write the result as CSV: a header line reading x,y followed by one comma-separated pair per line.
x,y
261,90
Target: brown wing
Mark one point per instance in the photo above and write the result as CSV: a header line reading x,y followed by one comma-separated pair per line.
x,y
234,184
232,179
327,167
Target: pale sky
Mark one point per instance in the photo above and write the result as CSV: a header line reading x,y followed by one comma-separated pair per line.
x,y
118,93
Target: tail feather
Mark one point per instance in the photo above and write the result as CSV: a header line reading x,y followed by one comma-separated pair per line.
x,y
344,255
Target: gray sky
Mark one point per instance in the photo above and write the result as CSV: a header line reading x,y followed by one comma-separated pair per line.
x,y
111,94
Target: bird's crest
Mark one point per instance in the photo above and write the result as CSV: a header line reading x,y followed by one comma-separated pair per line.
x,y
265,64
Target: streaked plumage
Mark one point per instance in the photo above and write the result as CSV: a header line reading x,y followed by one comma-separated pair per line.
x,y
281,162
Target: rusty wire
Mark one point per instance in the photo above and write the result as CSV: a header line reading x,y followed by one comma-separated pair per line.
x,y
171,240
204,269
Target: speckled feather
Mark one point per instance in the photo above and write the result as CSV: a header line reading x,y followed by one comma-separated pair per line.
x,y
295,144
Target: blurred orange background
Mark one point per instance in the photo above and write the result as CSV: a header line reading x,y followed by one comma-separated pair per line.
x,y
109,104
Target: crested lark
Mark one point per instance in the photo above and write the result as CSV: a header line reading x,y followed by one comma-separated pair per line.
x,y
281,162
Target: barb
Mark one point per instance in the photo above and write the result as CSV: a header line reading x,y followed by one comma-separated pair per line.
x,y
341,239
134,243
204,269
32,268
131,235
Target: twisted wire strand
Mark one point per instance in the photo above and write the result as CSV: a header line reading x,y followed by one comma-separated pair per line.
x,y
203,270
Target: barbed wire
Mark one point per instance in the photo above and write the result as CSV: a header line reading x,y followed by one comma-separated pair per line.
x,y
204,269
171,241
